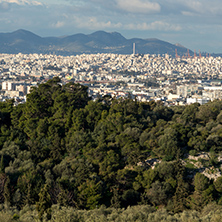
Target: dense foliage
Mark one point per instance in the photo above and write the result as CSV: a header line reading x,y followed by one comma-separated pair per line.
x,y
62,148
142,213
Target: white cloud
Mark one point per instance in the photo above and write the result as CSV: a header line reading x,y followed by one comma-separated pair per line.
x,y
4,6
22,2
58,24
36,3
202,7
196,5
138,6
188,13
157,25
93,23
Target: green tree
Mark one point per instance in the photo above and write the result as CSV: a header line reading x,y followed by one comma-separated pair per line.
x,y
189,114
90,194
159,193
130,197
116,197
180,196
203,193
218,184
2,165
201,182
169,144
109,166
44,204
7,192
209,111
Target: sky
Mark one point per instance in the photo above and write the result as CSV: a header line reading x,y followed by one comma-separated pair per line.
x,y
195,24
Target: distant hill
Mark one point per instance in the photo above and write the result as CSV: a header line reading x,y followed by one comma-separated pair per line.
x,y
98,42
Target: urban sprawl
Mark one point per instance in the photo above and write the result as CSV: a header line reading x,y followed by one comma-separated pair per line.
x,y
174,81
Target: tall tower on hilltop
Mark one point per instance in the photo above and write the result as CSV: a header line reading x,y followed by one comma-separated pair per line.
x,y
134,48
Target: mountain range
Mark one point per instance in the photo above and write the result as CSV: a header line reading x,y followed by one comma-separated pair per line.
x,y
23,41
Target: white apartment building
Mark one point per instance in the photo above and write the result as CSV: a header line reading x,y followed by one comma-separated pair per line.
x,y
200,100
8,86
186,90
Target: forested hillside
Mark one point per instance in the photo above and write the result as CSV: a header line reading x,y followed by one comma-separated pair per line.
x,y
62,148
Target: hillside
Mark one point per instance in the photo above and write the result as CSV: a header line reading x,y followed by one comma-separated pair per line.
x,y
22,41
62,148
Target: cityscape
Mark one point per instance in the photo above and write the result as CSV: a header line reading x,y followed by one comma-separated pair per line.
x,y
145,77
110,111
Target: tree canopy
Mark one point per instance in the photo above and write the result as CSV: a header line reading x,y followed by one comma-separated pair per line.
x,y
60,147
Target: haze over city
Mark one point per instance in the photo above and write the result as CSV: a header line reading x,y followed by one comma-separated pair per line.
x,y
194,24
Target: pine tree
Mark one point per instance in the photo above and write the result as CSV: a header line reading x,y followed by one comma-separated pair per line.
x,y
62,198
115,200
2,166
28,198
179,198
7,192
44,204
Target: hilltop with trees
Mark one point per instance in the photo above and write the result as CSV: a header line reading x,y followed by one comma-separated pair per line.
x,y
61,150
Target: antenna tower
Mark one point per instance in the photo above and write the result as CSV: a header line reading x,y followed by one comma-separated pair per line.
x,y
199,54
176,55
134,48
188,54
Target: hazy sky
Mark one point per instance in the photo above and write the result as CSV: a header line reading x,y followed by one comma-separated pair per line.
x,y
196,24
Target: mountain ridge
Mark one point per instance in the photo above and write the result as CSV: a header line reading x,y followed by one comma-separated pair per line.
x,y
24,41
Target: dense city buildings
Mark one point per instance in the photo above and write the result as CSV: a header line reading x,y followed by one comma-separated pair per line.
x,y
146,77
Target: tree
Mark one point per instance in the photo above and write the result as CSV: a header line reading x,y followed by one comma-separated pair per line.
x,y
130,197
163,112
169,144
209,111
203,193
201,182
218,184
93,113
189,114
159,193
29,185
116,198
44,204
7,192
90,194
3,179
132,153
180,196
109,166
2,165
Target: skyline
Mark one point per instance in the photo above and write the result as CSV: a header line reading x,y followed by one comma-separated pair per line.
x,y
193,24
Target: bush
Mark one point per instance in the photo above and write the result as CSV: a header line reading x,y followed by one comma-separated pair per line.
x,y
193,152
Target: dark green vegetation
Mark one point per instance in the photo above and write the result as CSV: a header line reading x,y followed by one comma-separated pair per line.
x,y
141,213
60,148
